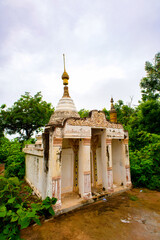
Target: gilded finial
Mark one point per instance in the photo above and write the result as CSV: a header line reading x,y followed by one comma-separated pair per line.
x,y
65,75
112,106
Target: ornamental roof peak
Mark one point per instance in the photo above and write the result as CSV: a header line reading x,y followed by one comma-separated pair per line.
x,y
65,76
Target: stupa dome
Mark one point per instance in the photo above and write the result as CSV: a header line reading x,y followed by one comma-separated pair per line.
x,y
65,109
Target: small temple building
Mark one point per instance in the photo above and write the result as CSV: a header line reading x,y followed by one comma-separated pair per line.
x,y
78,155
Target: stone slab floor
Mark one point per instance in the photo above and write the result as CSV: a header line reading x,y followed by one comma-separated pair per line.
x,y
133,215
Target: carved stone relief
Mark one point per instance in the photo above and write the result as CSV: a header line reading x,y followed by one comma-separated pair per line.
x,y
70,131
94,145
58,132
59,156
126,151
107,154
115,133
97,119
75,146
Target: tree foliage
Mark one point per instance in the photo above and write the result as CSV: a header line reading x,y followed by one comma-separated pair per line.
x,y
145,165
83,113
124,112
26,115
150,84
2,121
149,116
106,113
11,154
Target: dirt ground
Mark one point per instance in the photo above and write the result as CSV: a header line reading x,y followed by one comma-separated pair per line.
x,y
133,215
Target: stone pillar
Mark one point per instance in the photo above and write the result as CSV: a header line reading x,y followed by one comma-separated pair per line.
x,y
109,164
84,168
126,162
75,146
104,161
94,144
55,170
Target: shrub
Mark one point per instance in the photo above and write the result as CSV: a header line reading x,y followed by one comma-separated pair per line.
x,y
11,154
16,214
145,166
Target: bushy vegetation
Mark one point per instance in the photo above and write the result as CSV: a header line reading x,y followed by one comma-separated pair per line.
x,y
11,154
83,113
145,164
15,212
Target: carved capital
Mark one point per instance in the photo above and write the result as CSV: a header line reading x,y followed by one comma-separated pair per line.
x,y
127,166
108,141
94,142
109,168
125,141
57,142
86,141
74,144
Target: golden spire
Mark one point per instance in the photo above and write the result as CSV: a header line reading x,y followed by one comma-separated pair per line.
x,y
112,106
113,113
65,75
65,78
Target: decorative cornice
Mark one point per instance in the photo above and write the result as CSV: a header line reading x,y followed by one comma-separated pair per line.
x,y
97,119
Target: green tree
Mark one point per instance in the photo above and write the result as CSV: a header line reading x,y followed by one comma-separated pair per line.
x,y
145,118
145,163
2,120
150,84
106,113
83,113
124,112
149,116
27,115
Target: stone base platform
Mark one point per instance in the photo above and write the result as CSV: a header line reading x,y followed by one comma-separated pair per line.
x,y
72,201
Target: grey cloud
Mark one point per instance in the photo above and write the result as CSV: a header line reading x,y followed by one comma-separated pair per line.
x,y
117,33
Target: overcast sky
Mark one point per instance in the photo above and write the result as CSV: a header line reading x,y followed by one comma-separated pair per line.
x,y
106,43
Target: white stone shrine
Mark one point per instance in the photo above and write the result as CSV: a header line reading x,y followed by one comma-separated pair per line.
x,y
78,154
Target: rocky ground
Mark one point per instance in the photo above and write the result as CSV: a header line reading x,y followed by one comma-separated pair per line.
x,y
133,215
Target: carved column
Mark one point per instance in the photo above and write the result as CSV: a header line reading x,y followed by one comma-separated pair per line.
x,y
104,160
127,164
75,146
56,170
109,164
94,144
84,170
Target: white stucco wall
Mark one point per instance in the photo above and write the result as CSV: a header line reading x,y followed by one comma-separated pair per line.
x,y
34,172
